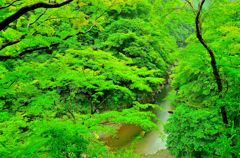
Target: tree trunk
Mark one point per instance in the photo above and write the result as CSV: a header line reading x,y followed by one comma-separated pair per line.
x,y
212,56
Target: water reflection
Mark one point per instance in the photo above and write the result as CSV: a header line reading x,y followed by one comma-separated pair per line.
x,y
153,144
155,140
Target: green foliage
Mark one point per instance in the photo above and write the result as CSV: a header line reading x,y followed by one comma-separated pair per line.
x,y
76,79
198,133
141,44
24,135
196,129
54,138
74,69
72,74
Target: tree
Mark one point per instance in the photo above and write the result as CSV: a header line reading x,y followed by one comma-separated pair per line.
x,y
62,82
28,8
198,99
212,56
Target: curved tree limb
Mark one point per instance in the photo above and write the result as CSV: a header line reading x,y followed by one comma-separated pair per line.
x,y
28,8
212,56
30,50
10,43
37,18
191,5
15,41
8,5
211,53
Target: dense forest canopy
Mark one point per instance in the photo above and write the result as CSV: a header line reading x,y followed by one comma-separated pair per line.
x,y
72,71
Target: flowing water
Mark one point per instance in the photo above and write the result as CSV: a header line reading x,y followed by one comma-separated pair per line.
x,y
153,144
155,141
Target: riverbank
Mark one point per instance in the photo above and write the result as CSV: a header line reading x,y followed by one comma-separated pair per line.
x,y
152,144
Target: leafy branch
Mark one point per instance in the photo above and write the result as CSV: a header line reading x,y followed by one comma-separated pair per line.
x,y
8,5
191,5
37,18
9,43
30,50
28,8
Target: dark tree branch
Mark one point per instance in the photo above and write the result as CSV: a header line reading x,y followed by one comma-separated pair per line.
x,y
37,18
202,41
72,115
9,43
57,18
8,5
28,8
212,56
20,55
30,50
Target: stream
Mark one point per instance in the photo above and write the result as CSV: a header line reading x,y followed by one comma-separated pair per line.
x,y
155,141
153,144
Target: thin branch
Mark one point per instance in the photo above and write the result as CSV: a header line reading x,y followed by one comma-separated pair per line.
x,y
28,8
100,104
171,11
191,5
8,5
20,55
9,43
72,115
57,18
37,18
30,50
12,83
90,28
